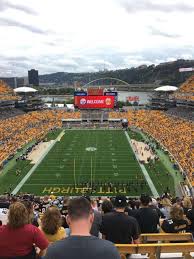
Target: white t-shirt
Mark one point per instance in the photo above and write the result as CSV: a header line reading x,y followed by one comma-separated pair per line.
x,y
4,215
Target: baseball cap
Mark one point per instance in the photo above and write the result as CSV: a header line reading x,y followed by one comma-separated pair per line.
x,y
120,201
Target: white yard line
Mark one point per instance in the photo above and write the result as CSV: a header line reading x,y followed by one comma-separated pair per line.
x,y
144,171
23,181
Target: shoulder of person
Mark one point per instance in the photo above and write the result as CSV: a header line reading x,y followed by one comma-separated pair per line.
x,y
61,230
108,215
97,213
105,243
32,228
108,248
58,244
132,219
190,213
168,221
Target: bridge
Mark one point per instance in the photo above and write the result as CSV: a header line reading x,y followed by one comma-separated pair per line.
x,y
121,85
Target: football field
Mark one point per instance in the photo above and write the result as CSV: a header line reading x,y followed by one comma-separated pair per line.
x,y
97,162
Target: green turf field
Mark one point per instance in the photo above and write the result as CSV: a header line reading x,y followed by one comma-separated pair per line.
x,y
82,160
97,162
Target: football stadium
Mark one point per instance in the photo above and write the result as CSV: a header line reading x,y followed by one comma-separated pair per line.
x,y
96,150
96,129
99,151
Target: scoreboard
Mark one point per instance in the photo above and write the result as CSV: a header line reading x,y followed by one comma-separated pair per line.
x,y
95,98
95,102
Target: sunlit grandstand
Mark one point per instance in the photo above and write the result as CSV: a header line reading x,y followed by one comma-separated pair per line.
x,y
99,151
166,135
186,91
6,93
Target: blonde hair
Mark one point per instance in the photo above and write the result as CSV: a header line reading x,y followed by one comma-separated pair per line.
x,y
166,202
187,202
177,212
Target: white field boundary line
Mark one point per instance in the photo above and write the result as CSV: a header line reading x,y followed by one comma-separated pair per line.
x,y
146,175
83,129
26,177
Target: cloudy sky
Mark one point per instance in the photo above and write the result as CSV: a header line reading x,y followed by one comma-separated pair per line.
x,y
90,35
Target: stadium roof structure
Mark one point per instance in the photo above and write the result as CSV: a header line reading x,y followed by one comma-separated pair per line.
x,y
166,88
70,106
25,90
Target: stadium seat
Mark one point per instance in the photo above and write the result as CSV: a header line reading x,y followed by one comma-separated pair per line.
x,y
166,237
155,250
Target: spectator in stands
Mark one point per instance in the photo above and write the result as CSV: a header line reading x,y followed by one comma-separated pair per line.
x,y
190,216
95,229
147,217
17,238
64,212
166,207
81,244
51,225
107,206
187,204
176,223
32,217
154,205
4,202
119,227
4,208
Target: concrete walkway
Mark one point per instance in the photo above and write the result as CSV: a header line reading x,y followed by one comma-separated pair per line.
x,y
23,181
144,171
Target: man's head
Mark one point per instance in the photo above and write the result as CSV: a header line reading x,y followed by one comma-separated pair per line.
x,y
80,212
120,202
145,200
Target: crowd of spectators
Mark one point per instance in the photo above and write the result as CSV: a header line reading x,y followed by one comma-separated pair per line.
x,y
20,130
173,133
63,227
9,112
6,93
186,90
181,112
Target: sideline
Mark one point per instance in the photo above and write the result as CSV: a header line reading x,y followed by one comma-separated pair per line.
x,y
26,177
165,159
144,171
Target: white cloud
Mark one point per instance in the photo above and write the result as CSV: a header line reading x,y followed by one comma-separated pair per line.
x,y
88,35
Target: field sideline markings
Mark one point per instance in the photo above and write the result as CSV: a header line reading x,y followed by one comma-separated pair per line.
x,y
144,171
19,186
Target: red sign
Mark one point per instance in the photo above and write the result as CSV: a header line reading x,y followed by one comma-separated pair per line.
x,y
133,98
95,102
95,91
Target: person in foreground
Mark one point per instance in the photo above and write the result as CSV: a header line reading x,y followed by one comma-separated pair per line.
x,y
18,238
117,226
81,244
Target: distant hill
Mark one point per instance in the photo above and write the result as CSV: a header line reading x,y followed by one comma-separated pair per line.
x,y
163,74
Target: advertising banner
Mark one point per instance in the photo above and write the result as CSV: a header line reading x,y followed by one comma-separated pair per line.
x,y
95,102
80,93
95,91
132,99
187,69
111,93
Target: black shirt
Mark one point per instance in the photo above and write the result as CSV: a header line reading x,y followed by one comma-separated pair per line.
x,y
174,226
190,216
119,228
4,205
84,247
95,229
148,220
130,212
